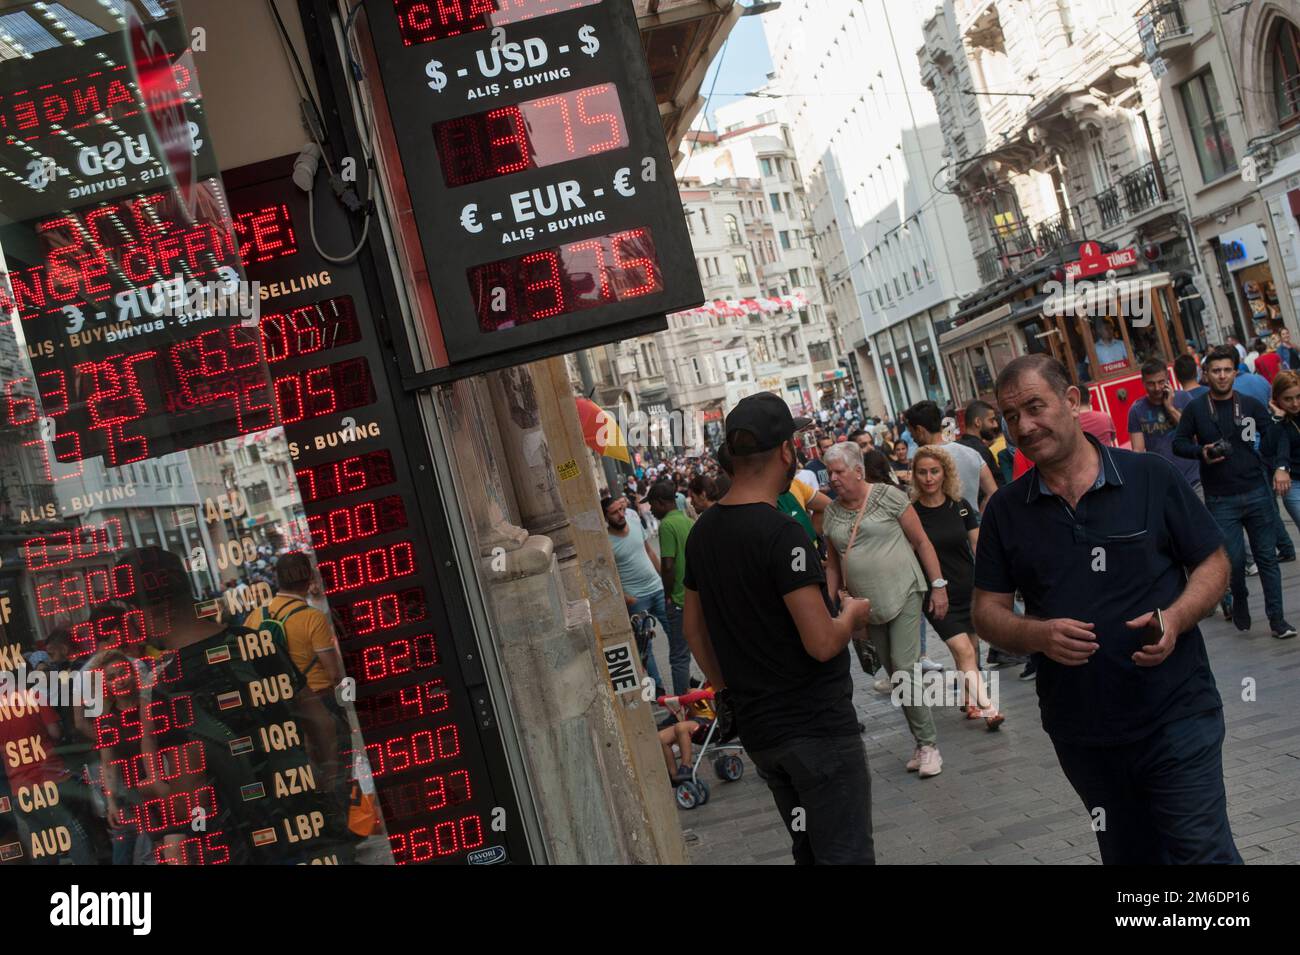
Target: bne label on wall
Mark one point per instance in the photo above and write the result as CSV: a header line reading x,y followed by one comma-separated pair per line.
x,y
621,666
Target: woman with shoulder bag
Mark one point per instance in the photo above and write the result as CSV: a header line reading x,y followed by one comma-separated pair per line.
x,y
875,538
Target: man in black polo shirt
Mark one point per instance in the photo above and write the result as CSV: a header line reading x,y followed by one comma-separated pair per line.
x,y
1222,429
1098,540
758,624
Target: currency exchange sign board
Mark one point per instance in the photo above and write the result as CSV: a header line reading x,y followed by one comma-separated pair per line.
x,y
537,168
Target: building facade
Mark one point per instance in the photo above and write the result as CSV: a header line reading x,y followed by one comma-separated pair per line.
x,y
1055,133
1230,74
870,147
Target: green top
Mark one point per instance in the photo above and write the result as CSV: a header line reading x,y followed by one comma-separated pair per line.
x,y
673,531
882,565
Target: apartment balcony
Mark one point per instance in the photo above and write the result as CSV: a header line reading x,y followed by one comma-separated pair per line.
x,y
1163,28
1018,245
1131,196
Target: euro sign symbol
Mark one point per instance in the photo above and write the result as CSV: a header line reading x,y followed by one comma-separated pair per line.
x,y
40,172
469,218
621,182
437,78
589,42
76,320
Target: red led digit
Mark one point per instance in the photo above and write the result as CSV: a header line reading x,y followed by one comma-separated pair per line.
x,y
508,146
116,401
547,283
599,274
562,103
19,410
53,388
637,242
610,120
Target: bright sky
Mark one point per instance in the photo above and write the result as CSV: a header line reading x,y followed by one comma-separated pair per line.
x,y
745,65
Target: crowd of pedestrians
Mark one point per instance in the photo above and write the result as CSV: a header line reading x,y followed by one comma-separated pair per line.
x,y
1028,528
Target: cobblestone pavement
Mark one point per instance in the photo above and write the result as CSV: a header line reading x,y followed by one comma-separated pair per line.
x,y
1002,798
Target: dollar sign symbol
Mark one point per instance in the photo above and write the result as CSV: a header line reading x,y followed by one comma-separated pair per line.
x,y
589,42
40,173
437,78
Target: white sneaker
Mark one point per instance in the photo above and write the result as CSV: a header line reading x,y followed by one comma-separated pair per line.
x,y
1252,570
931,763
914,763
884,685
929,666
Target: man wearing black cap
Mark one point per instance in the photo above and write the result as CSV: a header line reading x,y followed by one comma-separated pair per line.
x,y
760,627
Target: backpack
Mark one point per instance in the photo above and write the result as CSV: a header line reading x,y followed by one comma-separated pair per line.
x,y
275,626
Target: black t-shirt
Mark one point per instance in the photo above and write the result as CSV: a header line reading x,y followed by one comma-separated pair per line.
x,y
742,560
948,527
975,444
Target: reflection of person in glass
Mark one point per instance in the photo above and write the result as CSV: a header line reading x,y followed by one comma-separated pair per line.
x,y
1109,348
229,748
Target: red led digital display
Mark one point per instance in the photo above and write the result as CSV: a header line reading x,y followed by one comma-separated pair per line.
x,y
356,473
130,678
375,566
169,813
357,522
79,101
310,329
572,278
406,703
387,612
539,132
392,658
161,718
167,764
404,800
220,373
422,21
84,589
112,631
398,754
425,843
133,241
209,848
83,543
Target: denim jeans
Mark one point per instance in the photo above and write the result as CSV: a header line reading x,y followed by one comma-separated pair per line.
x,y
654,605
679,652
822,782
1291,501
1162,796
1255,512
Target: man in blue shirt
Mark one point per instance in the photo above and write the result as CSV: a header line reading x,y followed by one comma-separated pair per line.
x,y
1117,561
1153,418
1221,429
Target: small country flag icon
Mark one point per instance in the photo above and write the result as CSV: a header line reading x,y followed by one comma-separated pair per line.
x,y
13,850
219,654
252,791
228,701
5,805
263,837
238,747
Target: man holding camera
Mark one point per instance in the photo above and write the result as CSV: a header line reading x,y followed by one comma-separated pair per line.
x,y
1222,429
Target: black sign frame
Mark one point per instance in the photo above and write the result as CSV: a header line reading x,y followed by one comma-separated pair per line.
x,y
449,247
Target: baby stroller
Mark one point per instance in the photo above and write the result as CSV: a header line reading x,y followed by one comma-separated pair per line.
x,y
727,764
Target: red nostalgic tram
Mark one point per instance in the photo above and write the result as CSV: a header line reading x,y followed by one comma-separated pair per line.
x,y
1103,332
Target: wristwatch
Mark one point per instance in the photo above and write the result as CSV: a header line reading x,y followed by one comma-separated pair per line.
x,y
938,583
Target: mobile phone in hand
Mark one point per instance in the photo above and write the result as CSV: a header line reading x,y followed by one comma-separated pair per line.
x,y
1155,629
